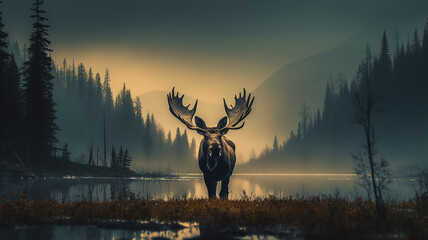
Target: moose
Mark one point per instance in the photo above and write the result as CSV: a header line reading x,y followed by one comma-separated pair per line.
x,y
216,156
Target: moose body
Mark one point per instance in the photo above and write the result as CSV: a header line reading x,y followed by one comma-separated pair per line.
x,y
216,156
217,168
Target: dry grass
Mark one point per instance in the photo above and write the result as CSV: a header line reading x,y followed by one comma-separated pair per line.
x,y
315,217
158,171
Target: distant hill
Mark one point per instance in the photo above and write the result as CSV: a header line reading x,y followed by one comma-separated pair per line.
x,y
279,98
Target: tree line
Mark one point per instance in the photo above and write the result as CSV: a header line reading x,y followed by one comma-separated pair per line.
x,y
78,90
49,107
28,125
325,139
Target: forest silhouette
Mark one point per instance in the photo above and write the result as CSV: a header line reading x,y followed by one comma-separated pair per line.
x,y
55,113
325,139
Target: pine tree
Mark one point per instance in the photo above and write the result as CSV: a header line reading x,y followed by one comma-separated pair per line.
x,y
299,132
63,71
318,119
328,100
98,85
148,137
304,118
108,96
38,86
383,73
119,159
275,145
425,41
385,58
73,79
185,140
126,160
113,163
13,106
292,137
193,147
4,58
120,101
128,105
177,143
90,88
169,140
416,43
384,52
81,79
425,55
4,55
65,153
138,107
153,122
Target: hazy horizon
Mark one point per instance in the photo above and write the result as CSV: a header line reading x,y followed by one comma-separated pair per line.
x,y
211,50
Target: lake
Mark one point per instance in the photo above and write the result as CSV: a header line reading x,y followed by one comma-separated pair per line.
x,y
192,185
185,185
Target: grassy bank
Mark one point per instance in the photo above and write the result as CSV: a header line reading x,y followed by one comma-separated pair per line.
x,y
319,216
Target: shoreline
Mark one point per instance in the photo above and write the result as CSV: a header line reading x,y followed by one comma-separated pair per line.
x,y
315,216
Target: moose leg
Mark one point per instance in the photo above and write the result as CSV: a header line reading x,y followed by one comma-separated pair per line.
x,y
224,192
211,187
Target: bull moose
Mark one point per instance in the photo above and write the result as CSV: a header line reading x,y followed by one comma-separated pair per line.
x,y
216,156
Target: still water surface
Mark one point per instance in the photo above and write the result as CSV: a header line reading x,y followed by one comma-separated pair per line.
x,y
192,185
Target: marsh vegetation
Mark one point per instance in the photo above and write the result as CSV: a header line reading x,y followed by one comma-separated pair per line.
x,y
310,217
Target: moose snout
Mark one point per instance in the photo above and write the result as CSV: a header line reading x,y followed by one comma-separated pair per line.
x,y
214,150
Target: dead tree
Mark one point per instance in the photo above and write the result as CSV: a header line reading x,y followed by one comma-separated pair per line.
x,y
366,105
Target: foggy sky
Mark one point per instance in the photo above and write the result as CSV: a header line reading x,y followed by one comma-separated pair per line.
x,y
210,49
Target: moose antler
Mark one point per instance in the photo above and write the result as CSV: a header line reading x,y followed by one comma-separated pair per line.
x,y
184,114
239,112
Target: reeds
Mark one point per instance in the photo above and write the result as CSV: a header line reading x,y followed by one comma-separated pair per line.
x,y
315,217
160,170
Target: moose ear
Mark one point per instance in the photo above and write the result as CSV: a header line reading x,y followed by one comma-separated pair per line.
x,y
201,124
222,123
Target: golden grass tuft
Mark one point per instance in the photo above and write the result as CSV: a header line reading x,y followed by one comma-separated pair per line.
x,y
315,217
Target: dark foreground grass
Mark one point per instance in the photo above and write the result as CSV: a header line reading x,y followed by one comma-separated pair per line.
x,y
314,217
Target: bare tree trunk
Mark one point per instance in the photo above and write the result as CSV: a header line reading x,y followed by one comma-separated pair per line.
x,y
366,106
369,141
97,156
105,148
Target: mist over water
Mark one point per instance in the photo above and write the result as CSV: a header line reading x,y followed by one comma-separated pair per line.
x,y
192,185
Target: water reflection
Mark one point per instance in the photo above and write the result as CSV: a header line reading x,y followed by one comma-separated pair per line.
x,y
65,232
90,232
27,232
192,185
